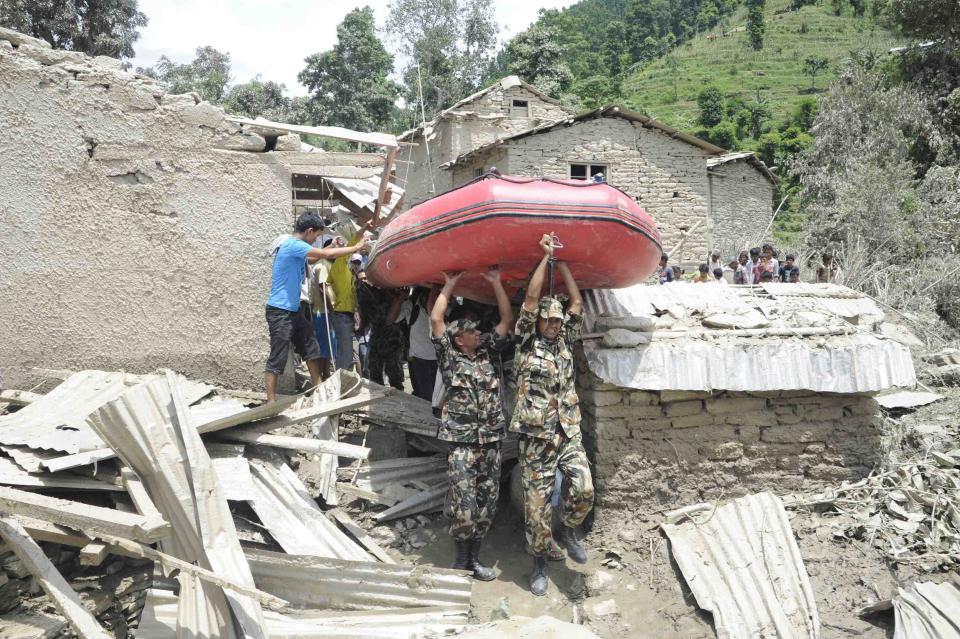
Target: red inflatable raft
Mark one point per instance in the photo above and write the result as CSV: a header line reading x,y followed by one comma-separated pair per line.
x,y
608,240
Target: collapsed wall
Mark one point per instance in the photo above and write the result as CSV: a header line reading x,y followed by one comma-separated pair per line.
x,y
659,450
135,223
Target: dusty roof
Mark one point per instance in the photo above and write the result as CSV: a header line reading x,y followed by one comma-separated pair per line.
x,y
819,337
504,83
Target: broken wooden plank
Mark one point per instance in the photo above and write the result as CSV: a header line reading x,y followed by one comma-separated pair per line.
x,y
302,444
90,519
52,582
11,474
138,494
94,553
361,535
348,172
53,533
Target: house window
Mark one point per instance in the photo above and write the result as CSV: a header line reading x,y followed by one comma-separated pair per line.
x,y
520,108
580,171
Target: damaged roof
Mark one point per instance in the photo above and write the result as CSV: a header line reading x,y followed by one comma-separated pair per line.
x,y
774,337
504,83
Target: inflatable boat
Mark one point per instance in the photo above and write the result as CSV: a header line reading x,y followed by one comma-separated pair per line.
x,y
608,240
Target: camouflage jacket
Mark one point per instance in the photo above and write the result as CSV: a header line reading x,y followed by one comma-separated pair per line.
x,y
546,392
473,410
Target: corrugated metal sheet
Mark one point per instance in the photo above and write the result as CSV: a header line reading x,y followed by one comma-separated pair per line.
x,y
151,429
160,609
743,566
831,298
925,610
12,475
287,510
691,356
314,582
57,420
364,192
326,428
858,364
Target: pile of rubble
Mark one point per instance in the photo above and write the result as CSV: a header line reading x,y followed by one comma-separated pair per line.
x,y
910,513
178,507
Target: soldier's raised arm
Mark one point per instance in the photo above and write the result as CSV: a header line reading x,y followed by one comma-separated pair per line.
x,y
438,323
503,302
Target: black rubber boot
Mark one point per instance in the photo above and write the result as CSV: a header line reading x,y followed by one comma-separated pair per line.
x,y
480,572
571,541
538,578
463,556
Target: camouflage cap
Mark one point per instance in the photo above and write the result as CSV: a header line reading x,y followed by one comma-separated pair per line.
x,y
456,327
550,307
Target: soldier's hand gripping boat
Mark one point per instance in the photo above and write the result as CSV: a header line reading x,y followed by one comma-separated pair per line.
x,y
608,240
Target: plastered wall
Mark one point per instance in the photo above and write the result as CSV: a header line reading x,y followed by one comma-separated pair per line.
x,y
133,237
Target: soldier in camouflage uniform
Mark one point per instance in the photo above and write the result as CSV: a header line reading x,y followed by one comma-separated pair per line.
x,y
379,309
547,417
472,420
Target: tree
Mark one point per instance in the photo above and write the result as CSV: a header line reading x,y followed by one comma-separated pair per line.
x,y
755,23
596,91
758,112
259,98
95,27
349,84
710,102
208,74
723,135
925,19
674,65
449,44
536,56
812,66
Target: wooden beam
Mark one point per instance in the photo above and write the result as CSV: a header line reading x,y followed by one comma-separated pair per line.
x,y
89,519
384,182
64,597
335,159
302,444
368,495
352,172
361,535
94,553
138,494
334,132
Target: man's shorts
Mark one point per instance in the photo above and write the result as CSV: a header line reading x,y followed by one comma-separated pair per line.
x,y
286,326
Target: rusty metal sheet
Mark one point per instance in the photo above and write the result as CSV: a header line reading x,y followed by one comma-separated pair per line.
x,y
743,566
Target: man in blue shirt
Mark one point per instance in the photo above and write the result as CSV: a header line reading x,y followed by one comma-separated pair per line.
x,y
287,318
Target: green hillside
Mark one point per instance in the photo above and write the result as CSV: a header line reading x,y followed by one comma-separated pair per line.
x,y
667,89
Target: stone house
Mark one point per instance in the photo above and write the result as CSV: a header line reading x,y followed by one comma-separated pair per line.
x,y
723,199
736,389
136,223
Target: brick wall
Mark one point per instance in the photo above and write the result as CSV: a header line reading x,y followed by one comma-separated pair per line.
x,y
667,177
741,206
656,451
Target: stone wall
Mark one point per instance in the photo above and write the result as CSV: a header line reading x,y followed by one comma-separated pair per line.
x,y
135,223
740,207
655,451
667,177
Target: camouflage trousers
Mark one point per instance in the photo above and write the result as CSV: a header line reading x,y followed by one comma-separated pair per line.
x,y
386,355
539,461
474,474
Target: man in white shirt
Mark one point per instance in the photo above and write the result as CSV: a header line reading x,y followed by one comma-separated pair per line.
x,y
423,355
